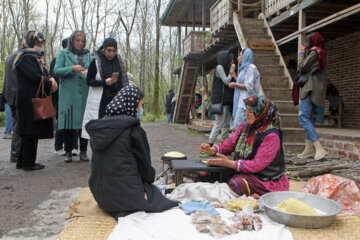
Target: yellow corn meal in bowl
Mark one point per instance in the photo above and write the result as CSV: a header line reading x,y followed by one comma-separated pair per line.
x,y
293,205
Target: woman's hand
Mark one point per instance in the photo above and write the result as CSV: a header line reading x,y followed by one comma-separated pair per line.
x,y
77,68
232,85
302,48
221,161
110,81
205,148
233,74
54,85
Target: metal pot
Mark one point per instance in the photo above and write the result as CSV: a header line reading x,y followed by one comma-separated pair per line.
x,y
327,209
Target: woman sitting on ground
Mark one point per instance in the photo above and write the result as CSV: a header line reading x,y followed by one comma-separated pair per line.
x,y
122,175
259,165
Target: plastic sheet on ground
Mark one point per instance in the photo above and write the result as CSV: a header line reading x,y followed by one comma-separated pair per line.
x,y
342,190
173,224
215,193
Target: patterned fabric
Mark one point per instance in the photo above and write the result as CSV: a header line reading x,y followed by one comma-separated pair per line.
x,y
31,38
267,117
247,184
82,52
125,102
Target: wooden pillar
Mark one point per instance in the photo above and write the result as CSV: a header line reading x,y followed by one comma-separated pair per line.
x,y
186,25
240,8
203,91
263,6
203,12
302,24
193,16
179,40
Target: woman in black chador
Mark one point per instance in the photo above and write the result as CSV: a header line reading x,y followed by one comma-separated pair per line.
x,y
122,175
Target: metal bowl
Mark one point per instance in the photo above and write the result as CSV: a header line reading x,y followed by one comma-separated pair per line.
x,y
327,209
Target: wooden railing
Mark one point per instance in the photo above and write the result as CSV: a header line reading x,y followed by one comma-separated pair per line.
x,y
272,6
221,13
194,42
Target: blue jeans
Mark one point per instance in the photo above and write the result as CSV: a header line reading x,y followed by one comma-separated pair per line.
x,y
239,117
306,118
9,123
169,118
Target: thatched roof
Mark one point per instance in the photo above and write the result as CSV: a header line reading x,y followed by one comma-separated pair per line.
x,y
180,12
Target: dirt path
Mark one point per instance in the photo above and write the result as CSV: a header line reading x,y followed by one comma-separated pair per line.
x,y
21,192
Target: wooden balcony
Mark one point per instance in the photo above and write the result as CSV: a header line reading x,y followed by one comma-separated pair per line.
x,y
221,14
194,43
274,6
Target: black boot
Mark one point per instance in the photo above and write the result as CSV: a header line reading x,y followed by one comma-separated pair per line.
x,y
68,157
84,157
36,166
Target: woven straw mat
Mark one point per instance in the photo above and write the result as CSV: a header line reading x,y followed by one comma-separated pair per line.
x,y
91,223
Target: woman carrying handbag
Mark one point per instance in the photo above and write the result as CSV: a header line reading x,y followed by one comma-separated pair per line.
x,y
31,70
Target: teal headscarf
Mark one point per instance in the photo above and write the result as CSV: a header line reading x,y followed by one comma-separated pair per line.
x,y
247,59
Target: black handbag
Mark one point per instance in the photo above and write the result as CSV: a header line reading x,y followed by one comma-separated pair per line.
x,y
216,108
2,103
301,79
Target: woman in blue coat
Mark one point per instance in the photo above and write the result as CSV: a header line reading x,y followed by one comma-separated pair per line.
x,y
71,67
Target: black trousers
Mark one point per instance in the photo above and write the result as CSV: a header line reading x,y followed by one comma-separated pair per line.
x,y
16,139
69,140
28,151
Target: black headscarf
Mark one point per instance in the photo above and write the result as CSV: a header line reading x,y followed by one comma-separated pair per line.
x,y
224,59
82,52
125,102
108,66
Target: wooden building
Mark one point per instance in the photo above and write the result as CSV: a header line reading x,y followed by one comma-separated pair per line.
x,y
274,29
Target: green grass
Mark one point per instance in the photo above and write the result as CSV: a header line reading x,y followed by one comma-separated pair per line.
x,y
194,133
2,119
150,117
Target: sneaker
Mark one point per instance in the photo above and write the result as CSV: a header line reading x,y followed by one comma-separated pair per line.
x,y
84,157
7,136
75,152
60,152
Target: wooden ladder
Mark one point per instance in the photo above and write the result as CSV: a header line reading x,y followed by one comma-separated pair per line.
x,y
275,80
187,82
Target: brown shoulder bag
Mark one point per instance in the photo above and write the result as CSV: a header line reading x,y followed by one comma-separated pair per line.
x,y
43,106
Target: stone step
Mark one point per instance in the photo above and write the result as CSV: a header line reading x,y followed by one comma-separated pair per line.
x,y
255,31
251,23
266,60
274,94
271,70
293,147
287,107
289,120
274,81
293,134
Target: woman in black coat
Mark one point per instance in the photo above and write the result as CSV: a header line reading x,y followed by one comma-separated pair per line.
x,y
30,69
106,76
122,175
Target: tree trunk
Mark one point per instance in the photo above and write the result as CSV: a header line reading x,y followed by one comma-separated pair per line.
x,y
157,52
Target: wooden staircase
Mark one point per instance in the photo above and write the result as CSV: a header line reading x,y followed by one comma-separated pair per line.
x,y
187,81
275,80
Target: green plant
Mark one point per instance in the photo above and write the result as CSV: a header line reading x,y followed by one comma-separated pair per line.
x,y
2,118
194,133
151,117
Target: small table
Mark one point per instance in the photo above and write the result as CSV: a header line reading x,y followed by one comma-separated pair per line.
x,y
182,166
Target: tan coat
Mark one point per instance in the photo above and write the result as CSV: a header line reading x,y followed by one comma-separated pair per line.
x,y
317,80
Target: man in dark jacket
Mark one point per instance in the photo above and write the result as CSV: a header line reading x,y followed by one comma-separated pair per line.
x,y
169,97
10,94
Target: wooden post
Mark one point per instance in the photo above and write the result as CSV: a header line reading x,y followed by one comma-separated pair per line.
x,y
203,91
302,24
263,6
186,25
179,40
240,8
203,15
194,16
